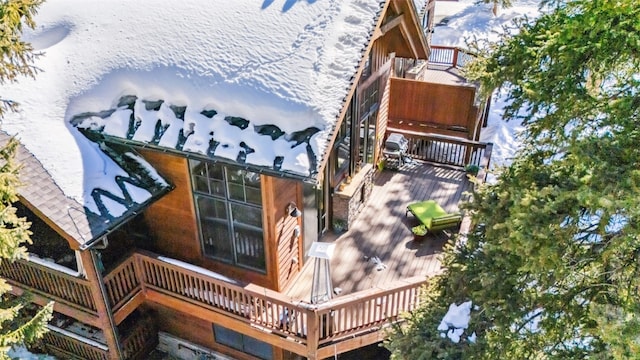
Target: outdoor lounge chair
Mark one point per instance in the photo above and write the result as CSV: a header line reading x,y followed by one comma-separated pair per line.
x,y
433,216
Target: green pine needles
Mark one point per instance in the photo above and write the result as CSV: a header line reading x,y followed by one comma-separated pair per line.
x,y
18,324
552,263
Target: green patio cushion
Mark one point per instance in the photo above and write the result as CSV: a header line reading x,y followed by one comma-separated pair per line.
x,y
444,222
433,216
425,211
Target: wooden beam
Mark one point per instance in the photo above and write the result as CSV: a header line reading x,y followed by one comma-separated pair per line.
x,y
226,321
412,45
58,306
389,25
339,347
129,307
107,324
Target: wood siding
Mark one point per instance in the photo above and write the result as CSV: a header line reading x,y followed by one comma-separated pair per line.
x,y
173,223
192,329
288,248
432,108
383,118
172,219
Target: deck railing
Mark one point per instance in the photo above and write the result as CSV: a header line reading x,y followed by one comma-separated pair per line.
x,y
341,318
366,310
447,150
56,284
122,284
451,56
262,307
67,345
139,340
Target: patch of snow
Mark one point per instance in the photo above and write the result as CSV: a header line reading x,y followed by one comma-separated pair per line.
x,y
197,269
20,352
455,321
457,22
532,321
472,338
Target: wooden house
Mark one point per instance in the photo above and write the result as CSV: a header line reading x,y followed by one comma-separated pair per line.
x,y
198,246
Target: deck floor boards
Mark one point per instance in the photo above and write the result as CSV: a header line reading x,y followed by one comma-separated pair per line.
x,y
382,229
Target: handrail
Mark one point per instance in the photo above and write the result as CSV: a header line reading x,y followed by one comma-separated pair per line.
x,y
263,308
449,55
445,149
59,286
122,283
250,304
367,310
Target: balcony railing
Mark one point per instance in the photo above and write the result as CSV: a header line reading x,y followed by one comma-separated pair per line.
x,y
136,342
122,284
302,323
451,56
447,150
67,345
366,310
306,327
55,283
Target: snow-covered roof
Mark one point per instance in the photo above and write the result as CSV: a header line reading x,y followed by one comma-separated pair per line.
x,y
138,183
275,72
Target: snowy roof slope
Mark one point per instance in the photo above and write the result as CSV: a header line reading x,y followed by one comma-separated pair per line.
x,y
284,64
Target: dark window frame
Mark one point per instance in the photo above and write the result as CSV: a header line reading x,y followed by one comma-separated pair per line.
x,y
241,342
228,204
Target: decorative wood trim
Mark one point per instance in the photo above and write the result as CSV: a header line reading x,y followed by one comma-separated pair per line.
x,y
73,243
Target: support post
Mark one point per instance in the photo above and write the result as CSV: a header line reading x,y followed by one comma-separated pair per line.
x,y
98,292
313,334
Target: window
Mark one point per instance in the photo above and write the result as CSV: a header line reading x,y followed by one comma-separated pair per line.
x,y
368,100
229,205
242,342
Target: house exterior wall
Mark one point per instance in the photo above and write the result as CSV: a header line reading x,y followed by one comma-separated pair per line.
x,y
173,225
192,329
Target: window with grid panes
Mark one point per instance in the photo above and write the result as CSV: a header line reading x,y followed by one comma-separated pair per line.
x,y
229,206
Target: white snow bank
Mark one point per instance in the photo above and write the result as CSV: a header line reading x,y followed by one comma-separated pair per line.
x,y
465,19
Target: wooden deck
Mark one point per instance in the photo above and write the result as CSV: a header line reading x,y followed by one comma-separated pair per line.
x,y
445,75
383,230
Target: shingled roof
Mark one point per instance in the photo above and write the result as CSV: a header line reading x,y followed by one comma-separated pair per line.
x,y
69,218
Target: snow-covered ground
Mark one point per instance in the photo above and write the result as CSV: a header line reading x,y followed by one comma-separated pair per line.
x,y
461,21
20,353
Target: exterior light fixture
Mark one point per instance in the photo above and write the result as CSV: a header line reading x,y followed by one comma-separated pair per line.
x,y
293,210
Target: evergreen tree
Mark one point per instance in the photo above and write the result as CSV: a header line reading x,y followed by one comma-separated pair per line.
x,y
16,56
552,263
